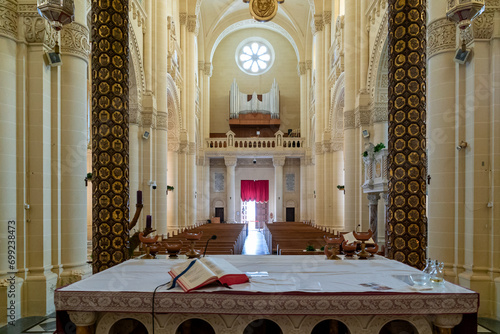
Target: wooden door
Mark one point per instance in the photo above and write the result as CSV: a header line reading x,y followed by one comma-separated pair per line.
x,y
219,212
290,214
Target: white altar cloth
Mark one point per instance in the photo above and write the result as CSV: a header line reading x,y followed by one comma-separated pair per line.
x,y
307,285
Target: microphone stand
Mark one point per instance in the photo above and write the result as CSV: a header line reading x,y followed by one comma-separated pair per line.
x,y
213,237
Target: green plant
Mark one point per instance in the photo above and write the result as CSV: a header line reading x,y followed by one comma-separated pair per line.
x,y
89,176
322,248
378,147
365,153
170,188
310,248
339,187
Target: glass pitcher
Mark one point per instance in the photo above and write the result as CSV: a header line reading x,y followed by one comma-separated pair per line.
x,y
437,273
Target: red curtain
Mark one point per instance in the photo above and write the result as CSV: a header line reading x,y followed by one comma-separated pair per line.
x,y
255,190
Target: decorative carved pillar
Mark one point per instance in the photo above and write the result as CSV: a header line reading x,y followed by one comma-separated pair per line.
x,y
75,50
231,184
110,137
8,150
278,162
373,204
406,220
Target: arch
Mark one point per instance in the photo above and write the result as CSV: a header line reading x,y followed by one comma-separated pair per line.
x,y
136,79
336,115
218,203
174,118
107,321
250,23
421,323
378,47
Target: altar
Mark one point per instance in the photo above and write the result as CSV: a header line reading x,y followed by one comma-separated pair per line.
x,y
297,293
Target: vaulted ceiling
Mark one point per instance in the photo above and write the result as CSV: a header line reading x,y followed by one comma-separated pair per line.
x,y
220,17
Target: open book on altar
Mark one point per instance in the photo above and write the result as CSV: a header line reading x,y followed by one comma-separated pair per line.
x,y
201,272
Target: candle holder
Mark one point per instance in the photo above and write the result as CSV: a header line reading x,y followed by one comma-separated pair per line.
x,y
192,237
349,249
173,249
372,250
363,237
332,247
148,242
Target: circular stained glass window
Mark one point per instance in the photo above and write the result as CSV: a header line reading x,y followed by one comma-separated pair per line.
x,y
255,56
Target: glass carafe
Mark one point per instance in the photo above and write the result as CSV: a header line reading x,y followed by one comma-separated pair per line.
x,y
437,273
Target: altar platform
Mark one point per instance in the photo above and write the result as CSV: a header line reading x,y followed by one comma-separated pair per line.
x,y
298,293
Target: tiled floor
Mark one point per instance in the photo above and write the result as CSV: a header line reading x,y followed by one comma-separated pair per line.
x,y
255,244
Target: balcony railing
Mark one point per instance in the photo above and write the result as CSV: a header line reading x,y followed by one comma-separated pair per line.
x,y
232,143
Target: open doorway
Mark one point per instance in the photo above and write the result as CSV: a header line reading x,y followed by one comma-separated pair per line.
x,y
248,213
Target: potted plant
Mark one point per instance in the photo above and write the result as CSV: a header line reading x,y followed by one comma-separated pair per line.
x,y
88,178
169,188
339,187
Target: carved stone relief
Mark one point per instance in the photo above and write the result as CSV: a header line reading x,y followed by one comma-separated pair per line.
x,y
8,18
441,37
75,40
219,182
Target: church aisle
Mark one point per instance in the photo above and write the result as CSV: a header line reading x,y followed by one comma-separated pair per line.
x,y
255,244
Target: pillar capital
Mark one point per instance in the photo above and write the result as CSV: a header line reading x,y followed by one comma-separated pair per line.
x,y
230,161
302,68
327,17
75,40
309,64
278,161
36,29
9,18
441,37
317,24
82,319
447,321
193,24
373,198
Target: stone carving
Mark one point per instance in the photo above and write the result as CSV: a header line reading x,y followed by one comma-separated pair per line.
x,y
317,24
219,182
441,37
301,68
230,161
349,120
290,182
8,18
161,120
481,27
83,318
135,56
75,40
380,112
376,54
327,17
193,24
38,30
278,161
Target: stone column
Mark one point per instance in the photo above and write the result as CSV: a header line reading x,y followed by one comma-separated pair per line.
x,y
231,184
406,221
351,159
479,156
74,50
110,138
182,176
304,189
172,197
8,166
160,138
304,101
373,204
278,162
319,93
149,121
441,136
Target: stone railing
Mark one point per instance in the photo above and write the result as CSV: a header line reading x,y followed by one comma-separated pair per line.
x,y
375,172
278,142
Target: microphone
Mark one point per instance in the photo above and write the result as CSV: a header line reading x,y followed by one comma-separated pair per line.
x,y
213,237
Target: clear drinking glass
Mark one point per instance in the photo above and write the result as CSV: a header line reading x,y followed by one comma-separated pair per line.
x,y
437,273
